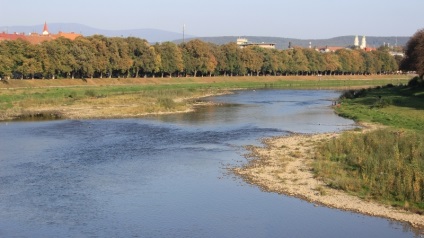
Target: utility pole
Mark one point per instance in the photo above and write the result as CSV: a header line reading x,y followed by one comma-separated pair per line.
x,y
183,33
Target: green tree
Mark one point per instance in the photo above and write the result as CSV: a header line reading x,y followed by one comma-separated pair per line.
x,y
252,60
269,61
231,59
298,61
346,61
101,57
386,61
414,55
283,60
331,63
171,58
120,61
357,62
144,56
370,62
6,63
83,52
315,61
198,57
16,53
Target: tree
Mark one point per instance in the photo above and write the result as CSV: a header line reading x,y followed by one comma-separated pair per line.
x,y
414,55
357,62
101,62
386,61
270,61
283,59
83,52
231,57
346,61
331,63
120,61
198,57
145,58
370,62
298,62
171,58
252,60
316,61
6,63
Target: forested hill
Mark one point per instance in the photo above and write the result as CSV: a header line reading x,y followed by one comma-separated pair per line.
x,y
283,43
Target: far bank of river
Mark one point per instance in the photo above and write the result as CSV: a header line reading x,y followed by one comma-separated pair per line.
x,y
138,97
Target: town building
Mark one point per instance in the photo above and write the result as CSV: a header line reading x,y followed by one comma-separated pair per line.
x,y
356,45
330,49
363,44
35,38
243,42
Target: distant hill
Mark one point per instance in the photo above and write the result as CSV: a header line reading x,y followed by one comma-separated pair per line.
x,y
151,35
283,43
155,35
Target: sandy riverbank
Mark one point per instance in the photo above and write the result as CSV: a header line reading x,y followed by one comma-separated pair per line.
x,y
283,166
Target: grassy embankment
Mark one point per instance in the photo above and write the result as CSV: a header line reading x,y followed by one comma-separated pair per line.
x,y
117,98
387,164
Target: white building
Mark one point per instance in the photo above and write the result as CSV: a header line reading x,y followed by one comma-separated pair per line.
x,y
243,42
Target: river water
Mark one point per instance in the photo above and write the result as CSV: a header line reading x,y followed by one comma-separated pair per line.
x,y
167,176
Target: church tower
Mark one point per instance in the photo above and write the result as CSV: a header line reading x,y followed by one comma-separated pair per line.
x,y
45,30
356,42
364,43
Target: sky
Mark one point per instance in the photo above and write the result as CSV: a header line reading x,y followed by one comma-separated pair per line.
x,y
304,19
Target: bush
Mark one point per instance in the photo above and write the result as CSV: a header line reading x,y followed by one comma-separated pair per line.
x,y
416,82
351,94
90,93
167,103
382,103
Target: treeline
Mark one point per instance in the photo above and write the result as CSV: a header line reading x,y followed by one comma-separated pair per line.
x,y
98,56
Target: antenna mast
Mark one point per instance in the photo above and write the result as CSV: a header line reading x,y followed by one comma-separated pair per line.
x,y
183,33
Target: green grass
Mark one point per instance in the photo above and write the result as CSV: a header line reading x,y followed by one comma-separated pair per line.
x,y
386,165
399,107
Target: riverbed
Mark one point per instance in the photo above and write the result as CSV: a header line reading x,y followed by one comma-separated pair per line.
x,y
167,175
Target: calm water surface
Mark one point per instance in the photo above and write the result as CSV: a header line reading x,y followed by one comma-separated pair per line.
x,y
166,176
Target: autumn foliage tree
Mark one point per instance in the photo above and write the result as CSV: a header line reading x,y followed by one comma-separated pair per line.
x,y
98,56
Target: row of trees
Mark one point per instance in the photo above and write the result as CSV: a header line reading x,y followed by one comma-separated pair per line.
x,y
98,56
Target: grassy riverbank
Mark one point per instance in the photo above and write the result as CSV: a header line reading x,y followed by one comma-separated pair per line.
x,y
386,164
117,98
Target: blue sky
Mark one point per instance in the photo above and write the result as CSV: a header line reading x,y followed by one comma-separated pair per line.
x,y
306,19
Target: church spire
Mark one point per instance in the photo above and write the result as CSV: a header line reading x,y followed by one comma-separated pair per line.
x,y
356,42
364,43
45,30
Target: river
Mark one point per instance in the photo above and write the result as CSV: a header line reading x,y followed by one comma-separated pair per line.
x,y
167,176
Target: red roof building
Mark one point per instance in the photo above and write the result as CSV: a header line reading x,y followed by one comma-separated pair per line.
x,y
45,29
35,38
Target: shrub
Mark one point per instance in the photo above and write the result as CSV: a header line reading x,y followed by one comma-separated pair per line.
x,y
167,103
90,93
382,103
416,82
